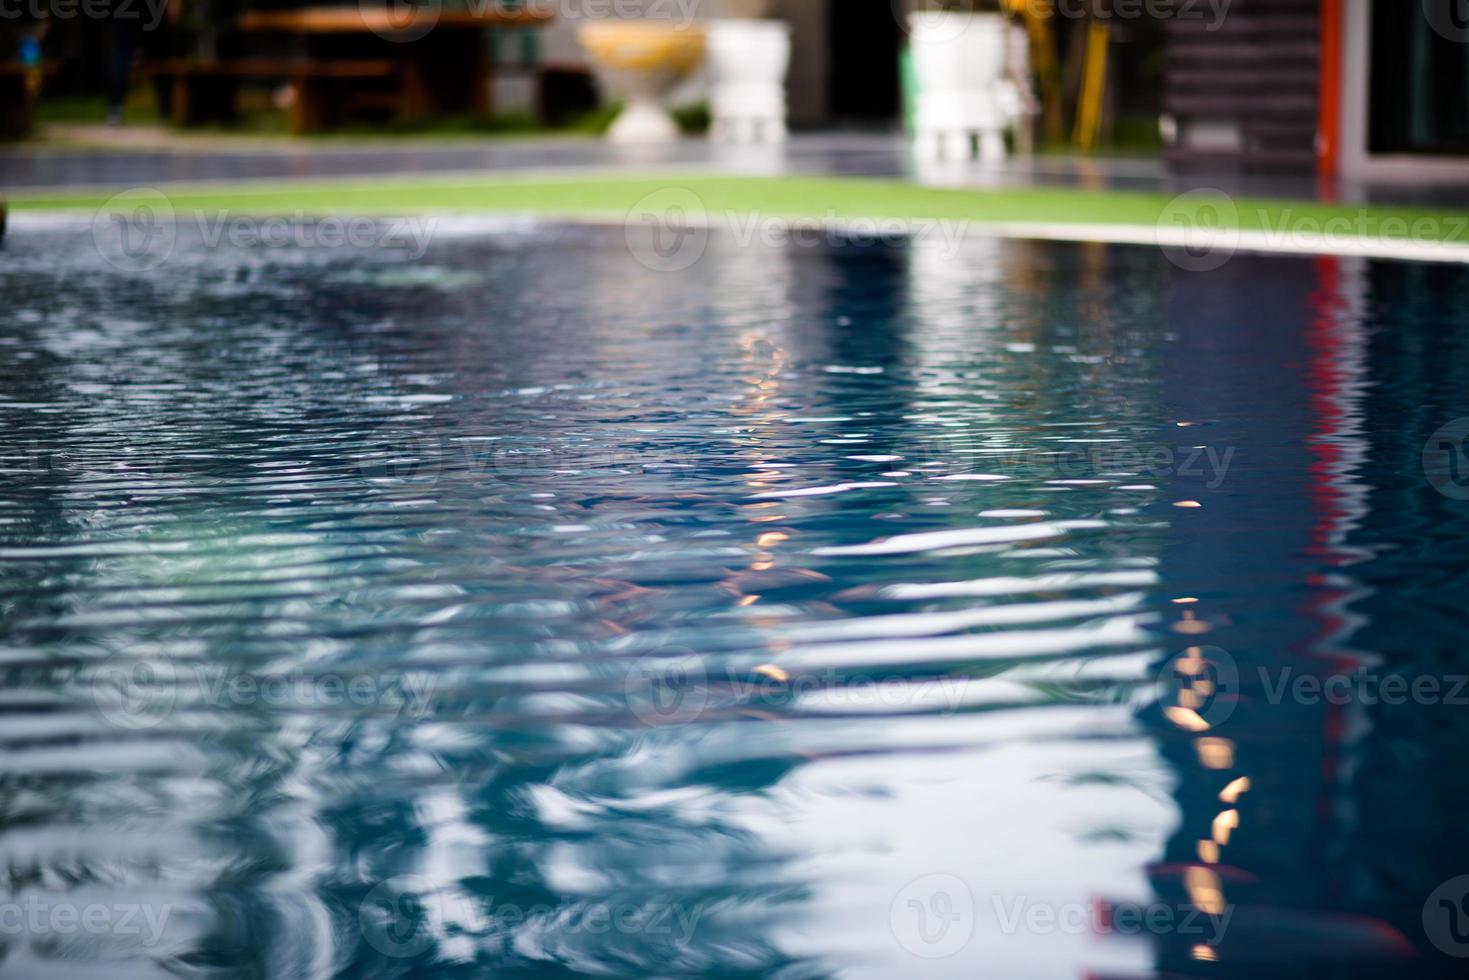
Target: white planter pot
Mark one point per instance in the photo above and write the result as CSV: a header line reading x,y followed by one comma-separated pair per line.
x,y
642,61
643,118
748,60
964,99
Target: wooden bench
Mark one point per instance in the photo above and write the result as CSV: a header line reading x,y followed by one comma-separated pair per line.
x,y
205,91
446,64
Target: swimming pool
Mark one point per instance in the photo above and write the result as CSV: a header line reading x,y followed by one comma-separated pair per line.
x,y
519,599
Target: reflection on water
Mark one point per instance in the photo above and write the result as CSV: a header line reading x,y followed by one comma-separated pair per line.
x,y
524,611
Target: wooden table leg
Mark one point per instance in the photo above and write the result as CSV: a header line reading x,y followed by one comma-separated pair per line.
x,y
417,101
308,108
179,102
482,72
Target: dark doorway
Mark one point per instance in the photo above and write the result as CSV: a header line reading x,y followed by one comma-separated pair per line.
x,y
865,39
1419,78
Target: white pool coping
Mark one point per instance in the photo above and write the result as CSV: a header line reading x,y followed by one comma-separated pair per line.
x,y
1189,248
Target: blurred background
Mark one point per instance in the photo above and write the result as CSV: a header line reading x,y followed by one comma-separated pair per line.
x,y
1274,86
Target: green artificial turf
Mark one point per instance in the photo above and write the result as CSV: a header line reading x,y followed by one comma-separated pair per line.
x,y
795,198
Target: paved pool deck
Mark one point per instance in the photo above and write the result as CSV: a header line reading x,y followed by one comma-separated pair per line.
x,y
145,158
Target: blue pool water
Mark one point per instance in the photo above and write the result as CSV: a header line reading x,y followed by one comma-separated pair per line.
x,y
518,609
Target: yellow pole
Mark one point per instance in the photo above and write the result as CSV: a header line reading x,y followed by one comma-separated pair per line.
x,y
1093,87
1043,59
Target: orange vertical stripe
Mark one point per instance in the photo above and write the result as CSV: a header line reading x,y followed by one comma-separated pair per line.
x,y
1328,122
